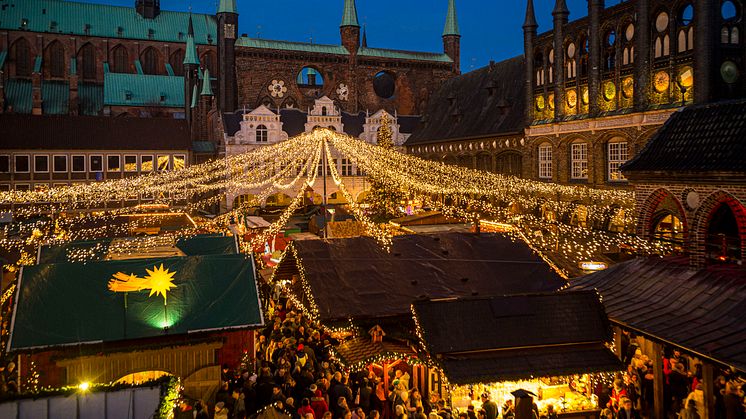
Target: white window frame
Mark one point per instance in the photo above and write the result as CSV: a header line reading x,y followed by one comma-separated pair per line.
x,y
263,138
67,163
72,165
27,185
124,163
119,157
579,161
34,161
9,162
347,167
90,164
15,165
616,158
5,187
545,161
157,166
152,161
178,156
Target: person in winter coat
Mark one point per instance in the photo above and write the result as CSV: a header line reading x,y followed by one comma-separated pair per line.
x,y
221,412
489,406
318,402
305,407
698,397
690,411
626,411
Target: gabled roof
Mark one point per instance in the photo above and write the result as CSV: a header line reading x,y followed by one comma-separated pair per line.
x,y
211,293
488,101
65,132
362,350
698,138
700,311
91,19
515,337
374,283
122,89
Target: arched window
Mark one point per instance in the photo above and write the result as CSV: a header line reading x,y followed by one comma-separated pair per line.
x,y
465,161
509,163
584,58
571,59
723,241
617,155
262,134
55,56
87,62
150,61
484,162
177,62
545,161
550,66
685,39
310,77
667,227
662,39
539,68
324,111
21,56
610,50
121,60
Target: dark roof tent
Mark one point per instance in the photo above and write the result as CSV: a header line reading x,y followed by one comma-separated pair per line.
x,y
700,138
502,338
700,311
357,278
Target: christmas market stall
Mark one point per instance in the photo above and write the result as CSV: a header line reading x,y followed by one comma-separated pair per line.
x,y
362,293
553,345
134,320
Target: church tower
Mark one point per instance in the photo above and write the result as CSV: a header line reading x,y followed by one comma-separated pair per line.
x,y
452,37
227,83
148,9
191,69
350,28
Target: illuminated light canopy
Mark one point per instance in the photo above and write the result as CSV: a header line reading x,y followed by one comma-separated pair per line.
x,y
593,266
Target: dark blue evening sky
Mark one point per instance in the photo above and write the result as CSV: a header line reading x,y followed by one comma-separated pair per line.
x,y
490,29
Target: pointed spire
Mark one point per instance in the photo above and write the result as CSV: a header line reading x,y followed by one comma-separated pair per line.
x,y
451,27
207,84
191,57
349,17
530,21
194,96
227,6
365,37
560,8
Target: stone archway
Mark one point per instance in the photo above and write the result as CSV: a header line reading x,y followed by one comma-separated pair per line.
x,y
650,208
707,215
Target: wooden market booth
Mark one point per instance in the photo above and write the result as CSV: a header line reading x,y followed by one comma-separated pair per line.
x,y
552,344
353,285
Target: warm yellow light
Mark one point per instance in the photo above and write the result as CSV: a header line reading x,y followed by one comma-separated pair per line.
x,y
593,266
84,386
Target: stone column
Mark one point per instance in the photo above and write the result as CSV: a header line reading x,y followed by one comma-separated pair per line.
x,y
642,55
594,56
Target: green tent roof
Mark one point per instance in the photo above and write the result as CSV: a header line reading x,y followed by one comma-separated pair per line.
x,y
143,90
70,303
451,27
349,16
207,84
73,18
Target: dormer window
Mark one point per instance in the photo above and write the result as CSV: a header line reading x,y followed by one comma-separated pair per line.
x,y
181,36
151,33
127,95
87,29
120,31
53,25
163,97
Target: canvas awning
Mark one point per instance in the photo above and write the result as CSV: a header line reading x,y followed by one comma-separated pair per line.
x,y
71,303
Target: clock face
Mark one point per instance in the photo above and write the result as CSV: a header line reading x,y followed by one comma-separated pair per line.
x,y
572,98
729,72
229,31
343,91
662,81
609,91
628,87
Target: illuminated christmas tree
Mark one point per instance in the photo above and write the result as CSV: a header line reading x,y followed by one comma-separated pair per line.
x,y
385,198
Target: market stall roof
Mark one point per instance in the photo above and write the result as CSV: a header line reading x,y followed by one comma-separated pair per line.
x,y
72,303
424,218
362,350
356,278
138,247
700,311
514,337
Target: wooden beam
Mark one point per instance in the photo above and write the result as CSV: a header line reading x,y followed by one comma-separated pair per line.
x,y
708,389
659,405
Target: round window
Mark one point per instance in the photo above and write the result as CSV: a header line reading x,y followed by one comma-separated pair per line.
x,y
661,22
728,10
630,32
571,51
729,72
384,84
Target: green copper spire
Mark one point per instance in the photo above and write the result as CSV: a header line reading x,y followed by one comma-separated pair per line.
x,y
349,18
194,96
207,84
451,27
227,6
191,49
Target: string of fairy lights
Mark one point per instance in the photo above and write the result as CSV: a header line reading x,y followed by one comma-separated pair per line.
x,y
549,215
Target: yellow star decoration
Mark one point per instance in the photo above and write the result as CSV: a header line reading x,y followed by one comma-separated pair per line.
x,y
160,281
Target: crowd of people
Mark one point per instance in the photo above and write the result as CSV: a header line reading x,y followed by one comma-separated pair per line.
x,y
632,393
297,374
